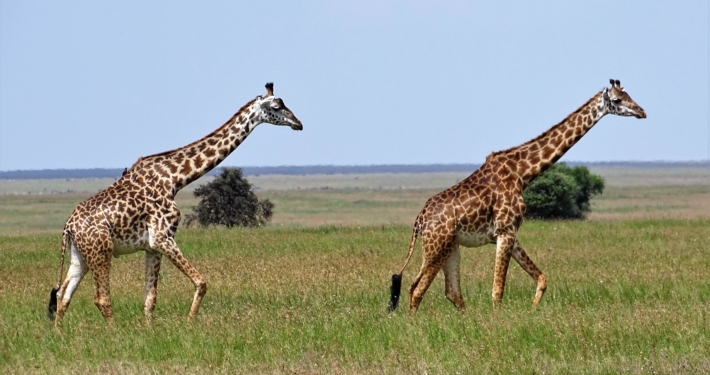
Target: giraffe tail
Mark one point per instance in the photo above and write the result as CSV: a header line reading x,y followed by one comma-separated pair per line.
x,y
396,287
52,308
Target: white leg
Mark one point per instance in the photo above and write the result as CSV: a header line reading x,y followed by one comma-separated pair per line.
x,y
77,271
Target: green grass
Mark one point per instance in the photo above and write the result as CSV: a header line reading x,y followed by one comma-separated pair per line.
x,y
628,290
624,297
29,206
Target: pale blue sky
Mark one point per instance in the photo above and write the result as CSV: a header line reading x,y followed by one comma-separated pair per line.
x,y
94,84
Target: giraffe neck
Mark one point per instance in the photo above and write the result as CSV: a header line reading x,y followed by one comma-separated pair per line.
x,y
173,170
536,156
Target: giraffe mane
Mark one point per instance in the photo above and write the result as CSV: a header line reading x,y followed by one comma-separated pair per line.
x,y
231,120
548,131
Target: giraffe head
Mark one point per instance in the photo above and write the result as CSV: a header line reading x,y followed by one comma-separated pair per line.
x,y
272,110
618,102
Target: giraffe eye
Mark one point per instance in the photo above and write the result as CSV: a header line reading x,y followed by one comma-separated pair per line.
x,y
276,108
616,101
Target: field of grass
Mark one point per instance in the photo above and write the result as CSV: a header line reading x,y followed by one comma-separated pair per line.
x,y
631,296
628,291
371,199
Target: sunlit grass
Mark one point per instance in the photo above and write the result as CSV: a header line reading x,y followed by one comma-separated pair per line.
x,y
623,296
628,290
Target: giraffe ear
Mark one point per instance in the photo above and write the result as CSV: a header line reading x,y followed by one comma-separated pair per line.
x,y
605,94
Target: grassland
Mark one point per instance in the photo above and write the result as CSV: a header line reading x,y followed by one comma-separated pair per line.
x,y
628,291
26,207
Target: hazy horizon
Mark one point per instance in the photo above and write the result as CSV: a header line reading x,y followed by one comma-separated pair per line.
x,y
640,163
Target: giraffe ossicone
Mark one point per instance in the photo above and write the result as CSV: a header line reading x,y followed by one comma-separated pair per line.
x,y
138,212
487,207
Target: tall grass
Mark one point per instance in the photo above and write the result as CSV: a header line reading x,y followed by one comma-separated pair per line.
x,y
623,297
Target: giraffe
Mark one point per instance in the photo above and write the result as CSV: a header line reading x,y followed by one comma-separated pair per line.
x,y
487,207
138,212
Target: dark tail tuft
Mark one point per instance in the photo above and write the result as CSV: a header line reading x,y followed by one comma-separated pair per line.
x,y
52,308
395,289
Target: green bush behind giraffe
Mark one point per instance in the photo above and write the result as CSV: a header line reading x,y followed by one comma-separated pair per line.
x,y
562,192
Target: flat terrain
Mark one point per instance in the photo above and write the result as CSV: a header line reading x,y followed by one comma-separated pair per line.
x,y
28,206
628,289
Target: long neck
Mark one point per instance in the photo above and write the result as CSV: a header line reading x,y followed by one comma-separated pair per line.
x,y
177,168
536,156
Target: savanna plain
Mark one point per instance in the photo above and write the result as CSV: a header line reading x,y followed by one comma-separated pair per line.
x,y
628,288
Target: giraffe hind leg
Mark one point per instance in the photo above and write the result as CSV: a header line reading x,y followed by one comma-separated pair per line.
x,y
434,259
62,297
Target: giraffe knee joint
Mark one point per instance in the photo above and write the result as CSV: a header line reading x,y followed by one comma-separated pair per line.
x,y
101,302
201,287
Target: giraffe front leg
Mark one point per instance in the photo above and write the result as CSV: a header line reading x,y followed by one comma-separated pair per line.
x,y
452,279
170,249
152,269
527,264
503,252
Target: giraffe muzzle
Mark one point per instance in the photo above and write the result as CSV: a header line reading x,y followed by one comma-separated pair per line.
x,y
296,124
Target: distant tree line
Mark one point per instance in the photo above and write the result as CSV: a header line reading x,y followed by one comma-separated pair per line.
x,y
326,169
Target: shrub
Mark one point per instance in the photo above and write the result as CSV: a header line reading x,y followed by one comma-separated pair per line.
x,y
228,200
562,192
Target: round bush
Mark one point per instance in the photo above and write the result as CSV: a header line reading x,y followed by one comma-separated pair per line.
x,y
562,192
228,200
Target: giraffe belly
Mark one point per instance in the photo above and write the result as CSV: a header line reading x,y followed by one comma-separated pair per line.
x,y
129,246
124,250
474,239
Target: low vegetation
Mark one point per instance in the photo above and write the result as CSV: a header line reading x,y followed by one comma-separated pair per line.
x,y
307,294
229,200
623,297
562,192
